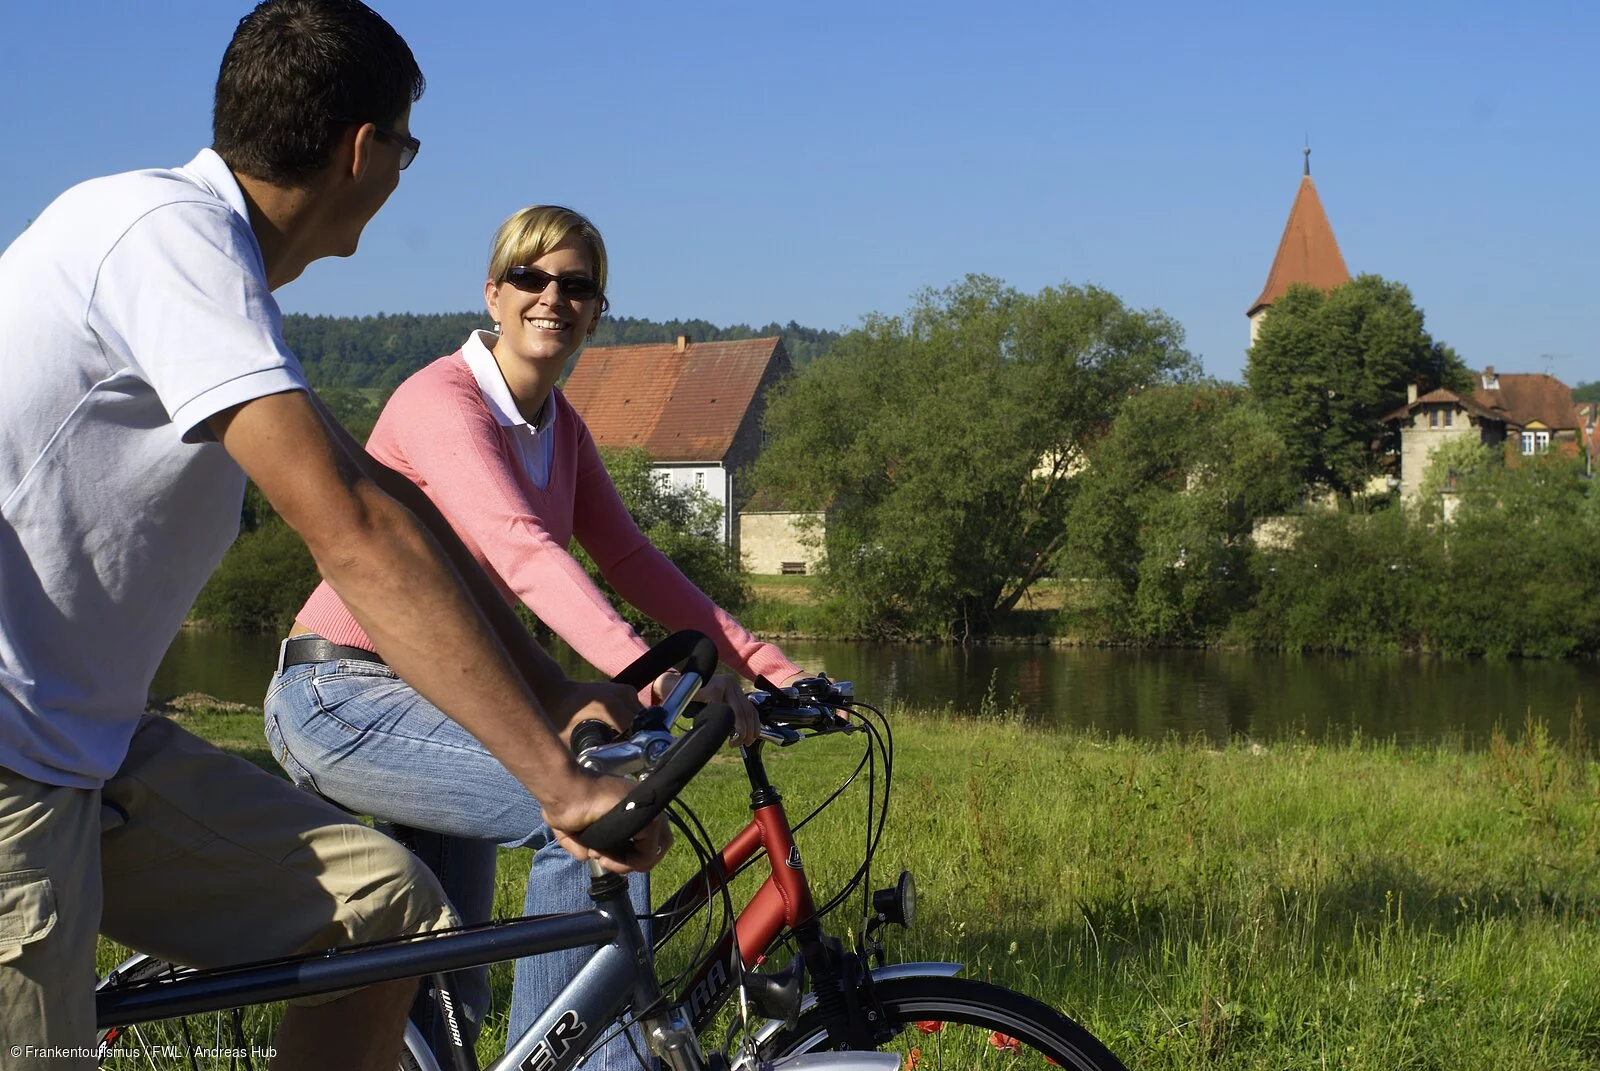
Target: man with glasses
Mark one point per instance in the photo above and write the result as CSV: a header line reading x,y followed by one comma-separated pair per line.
x,y
146,377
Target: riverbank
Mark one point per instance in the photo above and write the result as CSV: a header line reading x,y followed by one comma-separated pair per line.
x,y
1360,905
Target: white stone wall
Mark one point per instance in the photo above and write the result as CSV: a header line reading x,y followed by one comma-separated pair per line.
x,y
767,540
1255,323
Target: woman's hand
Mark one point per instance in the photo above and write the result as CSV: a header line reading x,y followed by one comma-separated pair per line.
x,y
726,688
723,688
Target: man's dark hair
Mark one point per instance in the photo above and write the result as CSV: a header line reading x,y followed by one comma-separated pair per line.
x,y
297,72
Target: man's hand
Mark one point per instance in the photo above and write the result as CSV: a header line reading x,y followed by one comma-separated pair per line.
x,y
604,793
579,701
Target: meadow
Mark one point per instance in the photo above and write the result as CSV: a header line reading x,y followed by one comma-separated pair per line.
x,y
1270,904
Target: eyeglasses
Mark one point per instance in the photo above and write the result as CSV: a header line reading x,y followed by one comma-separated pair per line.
x,y
409,146
534,281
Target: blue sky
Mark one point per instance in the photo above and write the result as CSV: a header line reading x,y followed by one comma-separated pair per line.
x,y
753,162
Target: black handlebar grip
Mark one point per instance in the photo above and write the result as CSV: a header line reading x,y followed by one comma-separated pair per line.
x,y
591,733
687,646
614,829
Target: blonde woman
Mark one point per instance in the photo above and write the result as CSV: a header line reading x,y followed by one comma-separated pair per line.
x,y
488,436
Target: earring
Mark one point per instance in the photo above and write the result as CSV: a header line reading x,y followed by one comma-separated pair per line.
x,y
497,327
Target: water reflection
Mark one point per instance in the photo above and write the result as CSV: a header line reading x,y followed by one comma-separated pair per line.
x,y
1149,694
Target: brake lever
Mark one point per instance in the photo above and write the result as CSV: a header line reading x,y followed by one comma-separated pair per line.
x,y
780,735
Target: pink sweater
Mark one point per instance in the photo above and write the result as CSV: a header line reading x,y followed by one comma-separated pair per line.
x,y
438,431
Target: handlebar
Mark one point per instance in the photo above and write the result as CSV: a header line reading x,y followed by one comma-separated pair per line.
x,y
667,763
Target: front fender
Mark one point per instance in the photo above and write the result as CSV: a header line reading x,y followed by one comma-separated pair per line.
x,y
886,973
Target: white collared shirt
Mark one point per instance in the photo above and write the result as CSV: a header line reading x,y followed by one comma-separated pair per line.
x,y
535,442
134,309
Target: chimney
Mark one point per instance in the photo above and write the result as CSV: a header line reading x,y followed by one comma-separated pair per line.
x,y
1490,380
1411,393
683,343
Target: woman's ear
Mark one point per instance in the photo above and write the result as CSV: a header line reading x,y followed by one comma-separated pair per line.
x,y
491,299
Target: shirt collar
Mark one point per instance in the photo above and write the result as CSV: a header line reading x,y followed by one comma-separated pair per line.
x,y
211,172
492,385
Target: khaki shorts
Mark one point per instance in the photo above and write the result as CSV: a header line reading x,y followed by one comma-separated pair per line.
x,y
189,854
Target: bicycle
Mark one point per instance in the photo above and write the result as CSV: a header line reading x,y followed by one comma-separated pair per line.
x,y
858,1003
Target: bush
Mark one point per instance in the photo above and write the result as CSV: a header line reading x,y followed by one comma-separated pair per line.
x,y
262,582
1511,575
683,523
1351,582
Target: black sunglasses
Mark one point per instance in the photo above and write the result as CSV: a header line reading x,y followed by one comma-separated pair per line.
x,y
409,146
533,281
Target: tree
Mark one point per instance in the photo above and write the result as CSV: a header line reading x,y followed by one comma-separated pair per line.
x,y
262,582
1522,553
1326,368
1167,506
944,442
1455,465
380,351
683,523
266,575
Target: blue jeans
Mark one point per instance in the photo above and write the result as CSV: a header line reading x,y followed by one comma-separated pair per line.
x,y
357,734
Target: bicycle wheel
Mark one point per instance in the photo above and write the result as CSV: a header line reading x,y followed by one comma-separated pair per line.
x,y
945,1023
238,1039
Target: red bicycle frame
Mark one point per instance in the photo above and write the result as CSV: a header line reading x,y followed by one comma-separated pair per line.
x,y
784,899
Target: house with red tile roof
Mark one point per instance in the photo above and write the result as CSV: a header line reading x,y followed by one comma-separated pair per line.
x,y
1307,253
1589,423
1525,412
694,407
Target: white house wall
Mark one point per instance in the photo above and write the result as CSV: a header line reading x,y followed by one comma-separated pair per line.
x,y
714,480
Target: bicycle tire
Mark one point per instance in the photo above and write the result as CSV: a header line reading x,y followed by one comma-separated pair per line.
x,y
979,1025
224,1042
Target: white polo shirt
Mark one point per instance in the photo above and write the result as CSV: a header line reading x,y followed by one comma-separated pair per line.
x,y
134,308
535,441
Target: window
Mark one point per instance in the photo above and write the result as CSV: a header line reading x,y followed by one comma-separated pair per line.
x,y
663,480
1433,417
1527,442
699,481
1542,441
1449,417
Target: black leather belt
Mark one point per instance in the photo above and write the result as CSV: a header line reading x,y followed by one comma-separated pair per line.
x,y
302,650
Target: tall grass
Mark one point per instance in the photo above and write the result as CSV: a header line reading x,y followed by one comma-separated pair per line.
x,y
1291,904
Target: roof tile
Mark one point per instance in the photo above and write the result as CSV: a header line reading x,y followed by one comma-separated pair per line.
x,y
678,406
1524,398
1307,253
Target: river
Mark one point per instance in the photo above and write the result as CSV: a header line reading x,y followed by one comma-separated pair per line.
x,y
1148,694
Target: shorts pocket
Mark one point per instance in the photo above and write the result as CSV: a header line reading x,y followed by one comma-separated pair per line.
x,y
27,911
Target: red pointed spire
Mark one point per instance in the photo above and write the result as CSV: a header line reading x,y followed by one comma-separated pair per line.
x,y
1308,252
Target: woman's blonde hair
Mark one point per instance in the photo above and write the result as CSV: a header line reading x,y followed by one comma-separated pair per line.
x,y
534,231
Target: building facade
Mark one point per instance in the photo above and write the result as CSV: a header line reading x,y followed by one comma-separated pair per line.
x,y
694,407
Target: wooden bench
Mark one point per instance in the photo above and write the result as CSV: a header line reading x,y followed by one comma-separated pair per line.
x,y
792,568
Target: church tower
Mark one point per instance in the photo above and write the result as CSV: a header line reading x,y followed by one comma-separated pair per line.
x,y
1308,252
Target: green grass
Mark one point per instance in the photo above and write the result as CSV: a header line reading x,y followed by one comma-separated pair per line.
x,y
1293,905
776,610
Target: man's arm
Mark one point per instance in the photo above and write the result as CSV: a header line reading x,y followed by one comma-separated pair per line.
x,y
402,590
565,701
